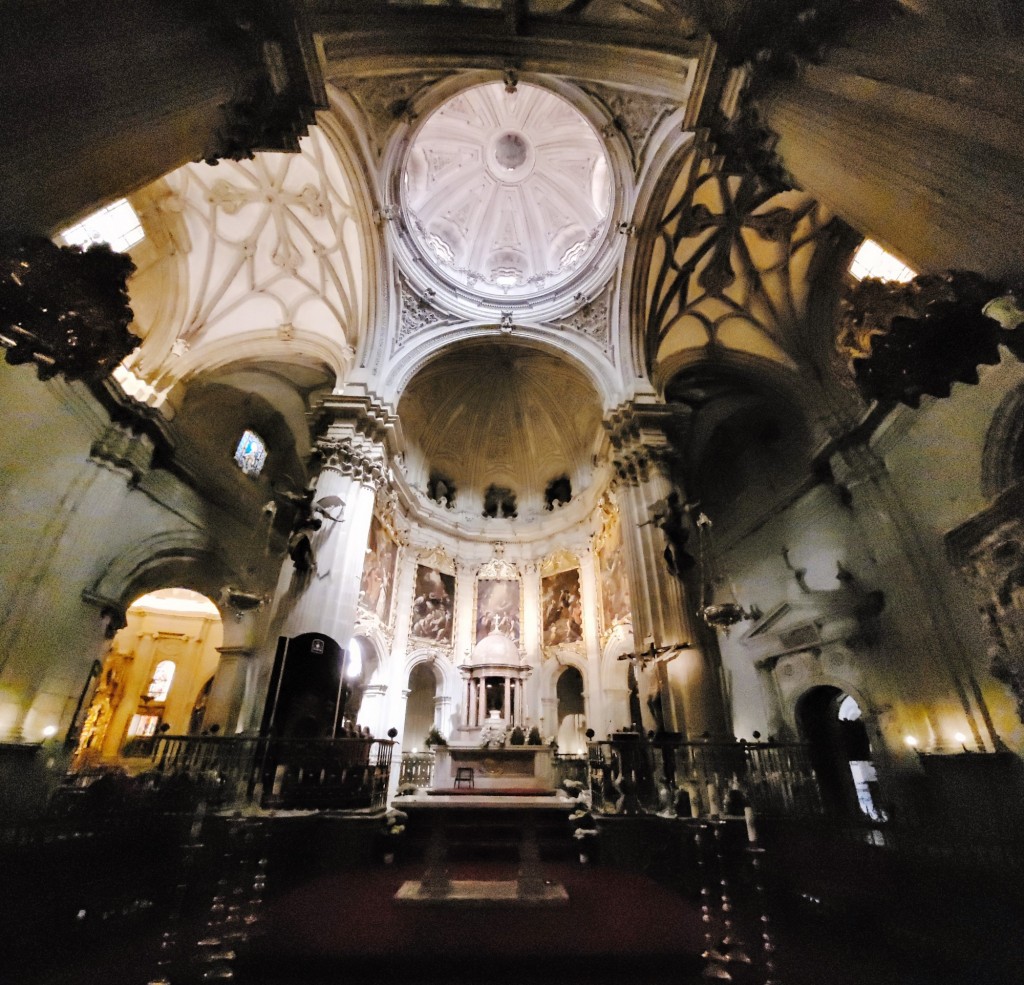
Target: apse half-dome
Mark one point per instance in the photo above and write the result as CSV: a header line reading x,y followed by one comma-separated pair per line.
x,y
490,413
507,194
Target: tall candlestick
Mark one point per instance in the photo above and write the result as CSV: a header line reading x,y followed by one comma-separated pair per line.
x,y
748,816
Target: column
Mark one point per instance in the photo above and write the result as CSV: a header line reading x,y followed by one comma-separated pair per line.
x,y
224,704
507,711
912,136
101,99
371,711
662,612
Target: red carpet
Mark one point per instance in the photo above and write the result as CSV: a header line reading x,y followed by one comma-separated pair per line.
x,y
353,915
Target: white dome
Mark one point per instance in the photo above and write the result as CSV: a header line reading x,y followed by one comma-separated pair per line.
x,y
507,194
495,648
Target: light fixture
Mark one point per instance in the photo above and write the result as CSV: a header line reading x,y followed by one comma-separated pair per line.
x,y
726,611
960,737
910,741
50,731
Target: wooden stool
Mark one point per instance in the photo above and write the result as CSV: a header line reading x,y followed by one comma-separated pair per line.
x,y
464,776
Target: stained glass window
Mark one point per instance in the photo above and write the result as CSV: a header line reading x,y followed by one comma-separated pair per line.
x,y
251,453
161,682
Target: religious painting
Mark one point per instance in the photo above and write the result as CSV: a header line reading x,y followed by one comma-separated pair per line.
x,y
561,608
611,565
433,605
375,590
497,608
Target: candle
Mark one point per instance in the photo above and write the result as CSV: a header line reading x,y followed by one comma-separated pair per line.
x,y
748,816
712,799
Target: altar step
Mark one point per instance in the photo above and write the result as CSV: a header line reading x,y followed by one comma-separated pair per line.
x,y
489,792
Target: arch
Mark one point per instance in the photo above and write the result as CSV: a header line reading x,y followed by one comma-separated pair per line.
x,y
1002,457
183,558
444,673
839,748
588,359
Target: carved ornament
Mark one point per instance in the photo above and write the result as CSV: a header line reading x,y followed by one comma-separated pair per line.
x,y
63,309
905,341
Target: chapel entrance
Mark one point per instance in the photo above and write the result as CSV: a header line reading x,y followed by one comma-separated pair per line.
x,y
830,722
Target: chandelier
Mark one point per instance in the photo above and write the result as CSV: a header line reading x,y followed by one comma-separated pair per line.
x,y
723,611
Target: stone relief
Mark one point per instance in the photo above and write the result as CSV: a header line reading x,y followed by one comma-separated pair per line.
x,y
993,567
592,319
635,113
417,314
386,99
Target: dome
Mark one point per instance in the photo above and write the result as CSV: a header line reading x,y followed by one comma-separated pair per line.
x,y
495,648
507,194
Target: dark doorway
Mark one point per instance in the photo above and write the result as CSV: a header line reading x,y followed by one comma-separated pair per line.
x,y
830,722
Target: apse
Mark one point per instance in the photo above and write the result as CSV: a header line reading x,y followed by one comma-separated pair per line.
x,y
497,416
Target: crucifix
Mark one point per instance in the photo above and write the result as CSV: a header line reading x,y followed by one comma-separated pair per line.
x,y
656,657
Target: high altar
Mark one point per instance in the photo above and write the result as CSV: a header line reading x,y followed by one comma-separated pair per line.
x,y
494,703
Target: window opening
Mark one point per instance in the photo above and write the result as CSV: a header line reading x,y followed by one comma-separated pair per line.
x,y
161,681
871,260
251,454
117,225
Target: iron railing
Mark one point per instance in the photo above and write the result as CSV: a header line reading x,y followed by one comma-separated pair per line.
x,y
285,773
774,778
417,769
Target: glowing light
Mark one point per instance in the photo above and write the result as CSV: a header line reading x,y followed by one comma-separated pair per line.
x,y
960,737
354,661
871,260
910,741
50,731
251,453
117,225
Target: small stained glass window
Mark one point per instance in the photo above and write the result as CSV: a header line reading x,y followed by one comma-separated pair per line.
x,y
251,454
117,225
161,682
871,260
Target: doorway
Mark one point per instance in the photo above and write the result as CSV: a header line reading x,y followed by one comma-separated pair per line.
x,y
831,723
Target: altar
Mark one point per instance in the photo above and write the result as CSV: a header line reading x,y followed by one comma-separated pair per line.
x,y
506,768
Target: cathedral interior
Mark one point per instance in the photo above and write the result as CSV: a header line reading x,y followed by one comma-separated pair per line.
x,y
512,490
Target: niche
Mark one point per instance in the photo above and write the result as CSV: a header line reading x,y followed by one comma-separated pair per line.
x,y
500,502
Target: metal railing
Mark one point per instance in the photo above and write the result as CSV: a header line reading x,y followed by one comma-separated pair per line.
x,y
417,769
284,773
774,778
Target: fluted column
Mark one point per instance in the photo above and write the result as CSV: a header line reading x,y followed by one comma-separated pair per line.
x,y
913,137
325,600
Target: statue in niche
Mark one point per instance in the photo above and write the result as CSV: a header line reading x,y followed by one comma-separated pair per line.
x,y
558,493
671,516
309,518
441,490
500,501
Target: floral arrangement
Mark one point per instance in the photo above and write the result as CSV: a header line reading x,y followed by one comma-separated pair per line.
x,y
394,823
517,737
534,739
435,738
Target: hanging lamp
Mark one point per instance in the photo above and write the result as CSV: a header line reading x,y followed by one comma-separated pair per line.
x,y
725,611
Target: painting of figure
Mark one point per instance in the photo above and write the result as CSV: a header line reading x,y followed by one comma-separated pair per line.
x,y
375,590
497,608
433,605
611,563
561,608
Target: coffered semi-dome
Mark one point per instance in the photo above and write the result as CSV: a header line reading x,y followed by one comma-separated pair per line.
x,y
490,413
507,193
